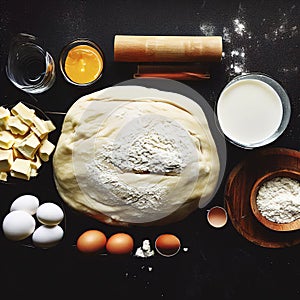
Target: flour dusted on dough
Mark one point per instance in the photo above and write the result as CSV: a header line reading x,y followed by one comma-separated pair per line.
x,y
278,200
154,145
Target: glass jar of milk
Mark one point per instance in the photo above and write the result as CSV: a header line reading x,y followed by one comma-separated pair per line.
x,y
253,110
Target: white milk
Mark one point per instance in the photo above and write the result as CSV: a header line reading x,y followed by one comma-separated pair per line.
x,y
249,111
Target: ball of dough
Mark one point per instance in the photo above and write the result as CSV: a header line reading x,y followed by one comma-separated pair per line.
x,y
131,155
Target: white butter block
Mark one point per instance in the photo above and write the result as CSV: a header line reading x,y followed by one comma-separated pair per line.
x,y
51,127
6,160
16,126
3,176
41,127
4,115
45,150
23,112
6,139
16,153
29,146
21,168
33,173
36,163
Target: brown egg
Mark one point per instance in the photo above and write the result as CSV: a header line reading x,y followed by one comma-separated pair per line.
x,y
167,244
217,216
91,241
120,243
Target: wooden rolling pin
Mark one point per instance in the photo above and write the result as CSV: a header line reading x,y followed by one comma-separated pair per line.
x,y
130,48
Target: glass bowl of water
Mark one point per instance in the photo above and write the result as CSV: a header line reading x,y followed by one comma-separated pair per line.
x,y
29,67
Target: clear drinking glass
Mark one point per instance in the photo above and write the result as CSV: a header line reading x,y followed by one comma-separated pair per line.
x,y
29,67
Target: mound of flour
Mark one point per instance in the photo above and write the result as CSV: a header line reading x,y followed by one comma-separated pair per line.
x,y
278,200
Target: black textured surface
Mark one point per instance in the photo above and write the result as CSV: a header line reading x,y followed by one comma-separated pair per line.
x,y
219,264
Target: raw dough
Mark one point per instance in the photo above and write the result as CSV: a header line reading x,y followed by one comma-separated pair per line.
x,y
130,155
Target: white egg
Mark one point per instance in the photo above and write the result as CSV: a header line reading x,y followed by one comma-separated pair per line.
x,y
47,236
49,214
18,225
27,203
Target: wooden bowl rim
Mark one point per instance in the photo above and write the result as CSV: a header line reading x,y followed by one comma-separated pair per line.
x,y
295,225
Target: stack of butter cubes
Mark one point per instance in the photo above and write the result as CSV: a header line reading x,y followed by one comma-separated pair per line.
x,y
24,143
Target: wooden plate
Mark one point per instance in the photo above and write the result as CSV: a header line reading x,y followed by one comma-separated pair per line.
x,y
237,195
295,225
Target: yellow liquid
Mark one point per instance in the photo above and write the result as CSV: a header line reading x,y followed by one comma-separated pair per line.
x,y
83,64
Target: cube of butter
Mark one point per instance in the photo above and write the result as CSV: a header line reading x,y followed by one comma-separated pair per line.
x,y
6,160
6,139
41,127
36,163
33,173
4,115
29,145
51,127
3,176
16,153
21,168
24,113
16,126
45,150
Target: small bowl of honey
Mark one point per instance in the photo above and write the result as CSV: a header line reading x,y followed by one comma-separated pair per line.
x,y
81,62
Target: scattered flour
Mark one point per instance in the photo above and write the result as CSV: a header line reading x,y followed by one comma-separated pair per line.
x,y
278,200
226,35
235,58
285,27
238,60
238,39
207,29
239,27
289,72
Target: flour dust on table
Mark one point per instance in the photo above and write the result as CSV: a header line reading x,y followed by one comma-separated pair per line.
x,y
240,39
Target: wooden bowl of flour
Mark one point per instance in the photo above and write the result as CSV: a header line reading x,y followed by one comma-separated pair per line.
x,y
273,200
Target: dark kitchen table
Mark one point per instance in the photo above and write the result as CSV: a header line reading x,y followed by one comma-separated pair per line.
x,y
217,263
